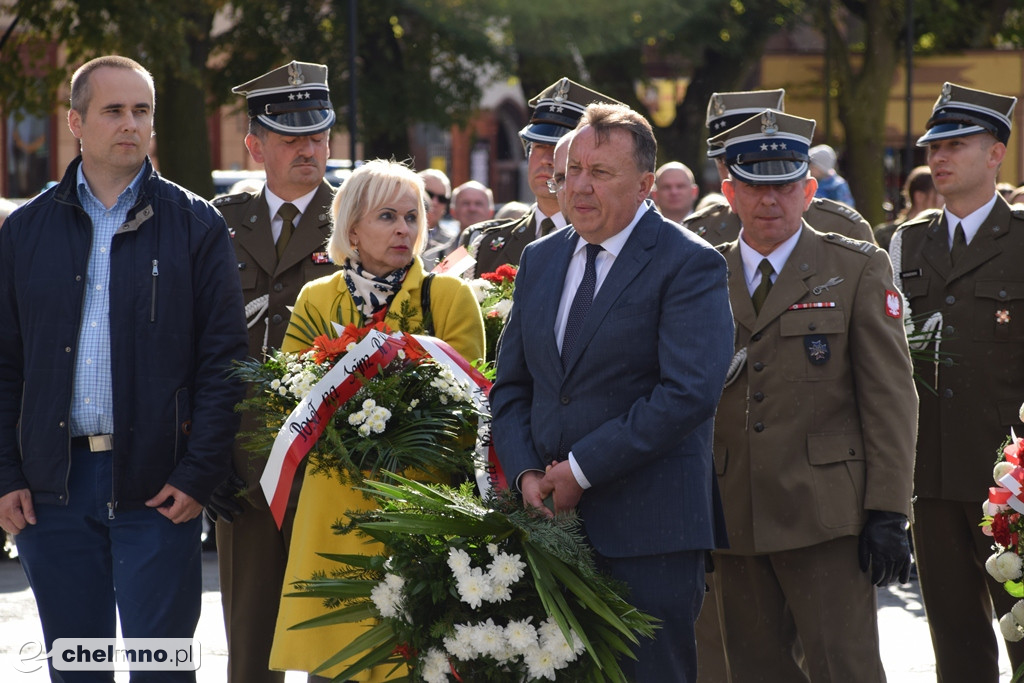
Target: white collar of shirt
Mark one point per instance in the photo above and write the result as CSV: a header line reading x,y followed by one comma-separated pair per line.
x,y
778,258
274,204
971,222
538,216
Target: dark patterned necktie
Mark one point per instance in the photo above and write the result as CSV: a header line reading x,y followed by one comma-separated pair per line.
x,y
765,286
581,302
287,212
959,245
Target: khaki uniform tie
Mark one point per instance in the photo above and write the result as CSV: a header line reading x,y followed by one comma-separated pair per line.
x,y
287,212
546,226
765,286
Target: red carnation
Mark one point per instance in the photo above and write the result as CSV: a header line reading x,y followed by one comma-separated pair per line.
x,y
1001,530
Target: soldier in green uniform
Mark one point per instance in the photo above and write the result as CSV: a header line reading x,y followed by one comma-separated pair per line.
x,y
814,435
717,223
279,234
556,111
962,267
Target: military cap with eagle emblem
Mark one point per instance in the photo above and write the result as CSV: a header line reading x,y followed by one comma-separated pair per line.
x,y
728,109
557,110
290,100
961,111
770,148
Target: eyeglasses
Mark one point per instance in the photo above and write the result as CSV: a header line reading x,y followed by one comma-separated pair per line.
x,y
438,197
555,184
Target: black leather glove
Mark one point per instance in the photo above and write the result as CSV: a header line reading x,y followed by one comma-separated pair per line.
x,y
884,547
224,503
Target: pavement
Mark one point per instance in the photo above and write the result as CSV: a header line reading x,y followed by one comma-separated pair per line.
x,y
906,648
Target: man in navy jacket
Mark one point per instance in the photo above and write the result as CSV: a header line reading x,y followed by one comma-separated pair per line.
x,y
120,315
613,398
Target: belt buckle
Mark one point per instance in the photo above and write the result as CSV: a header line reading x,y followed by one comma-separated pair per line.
x,y
101,442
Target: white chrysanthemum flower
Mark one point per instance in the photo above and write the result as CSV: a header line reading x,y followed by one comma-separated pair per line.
x,y
521,635
461,645
473,587
282,390
394,581
356,419
499,593
993,569
489,638
1001,470
364,430
458,561
435,667
1018,611
506,569
481,288
275,384
1010,565
387,600
413,403
539,663
502,308
1010,629
369,404
287,376
493,549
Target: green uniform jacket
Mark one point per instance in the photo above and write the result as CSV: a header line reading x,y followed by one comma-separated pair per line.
x,y
495,243
718,224
305,259
981,376
819,424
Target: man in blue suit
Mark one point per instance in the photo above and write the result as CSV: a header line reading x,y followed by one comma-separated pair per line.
x,y
609,371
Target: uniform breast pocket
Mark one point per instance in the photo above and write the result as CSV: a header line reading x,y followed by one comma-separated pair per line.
x,y
249,276
312,271
915,287
813,341
999,311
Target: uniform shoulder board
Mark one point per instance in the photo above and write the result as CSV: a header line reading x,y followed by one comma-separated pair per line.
x,y
492,224
837,208
1017,210
925,217
709,211
228,199
851,244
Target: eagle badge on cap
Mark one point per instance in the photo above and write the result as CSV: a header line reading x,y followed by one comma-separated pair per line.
x,y
562,90
769,125
947,94
717,105
295,76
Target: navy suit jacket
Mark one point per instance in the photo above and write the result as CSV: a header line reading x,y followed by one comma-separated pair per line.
x,y
636,402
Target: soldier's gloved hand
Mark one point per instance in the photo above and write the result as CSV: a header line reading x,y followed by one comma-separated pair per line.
x,y
884,547
224,503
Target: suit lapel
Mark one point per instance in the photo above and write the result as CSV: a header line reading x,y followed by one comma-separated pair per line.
x,y
312,231
255,237
742,306
985,245
631,260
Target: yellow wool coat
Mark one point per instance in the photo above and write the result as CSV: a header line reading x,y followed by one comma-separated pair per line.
x,y
324,499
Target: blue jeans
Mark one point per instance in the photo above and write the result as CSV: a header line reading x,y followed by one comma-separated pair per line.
x,y
80,563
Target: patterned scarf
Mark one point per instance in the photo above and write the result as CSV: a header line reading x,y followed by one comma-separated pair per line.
x,y
371,293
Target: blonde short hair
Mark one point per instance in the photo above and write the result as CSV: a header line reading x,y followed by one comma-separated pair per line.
x,y
371,186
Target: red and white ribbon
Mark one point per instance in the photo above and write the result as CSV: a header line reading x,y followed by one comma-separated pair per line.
x,y
308,420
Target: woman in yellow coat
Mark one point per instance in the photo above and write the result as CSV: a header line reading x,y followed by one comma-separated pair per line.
x,y
379,231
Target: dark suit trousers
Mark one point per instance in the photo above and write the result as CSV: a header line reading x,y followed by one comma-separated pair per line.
x,y
959,593
671,588
252,554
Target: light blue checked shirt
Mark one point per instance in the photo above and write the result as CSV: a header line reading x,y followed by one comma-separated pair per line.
x,y
92,401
